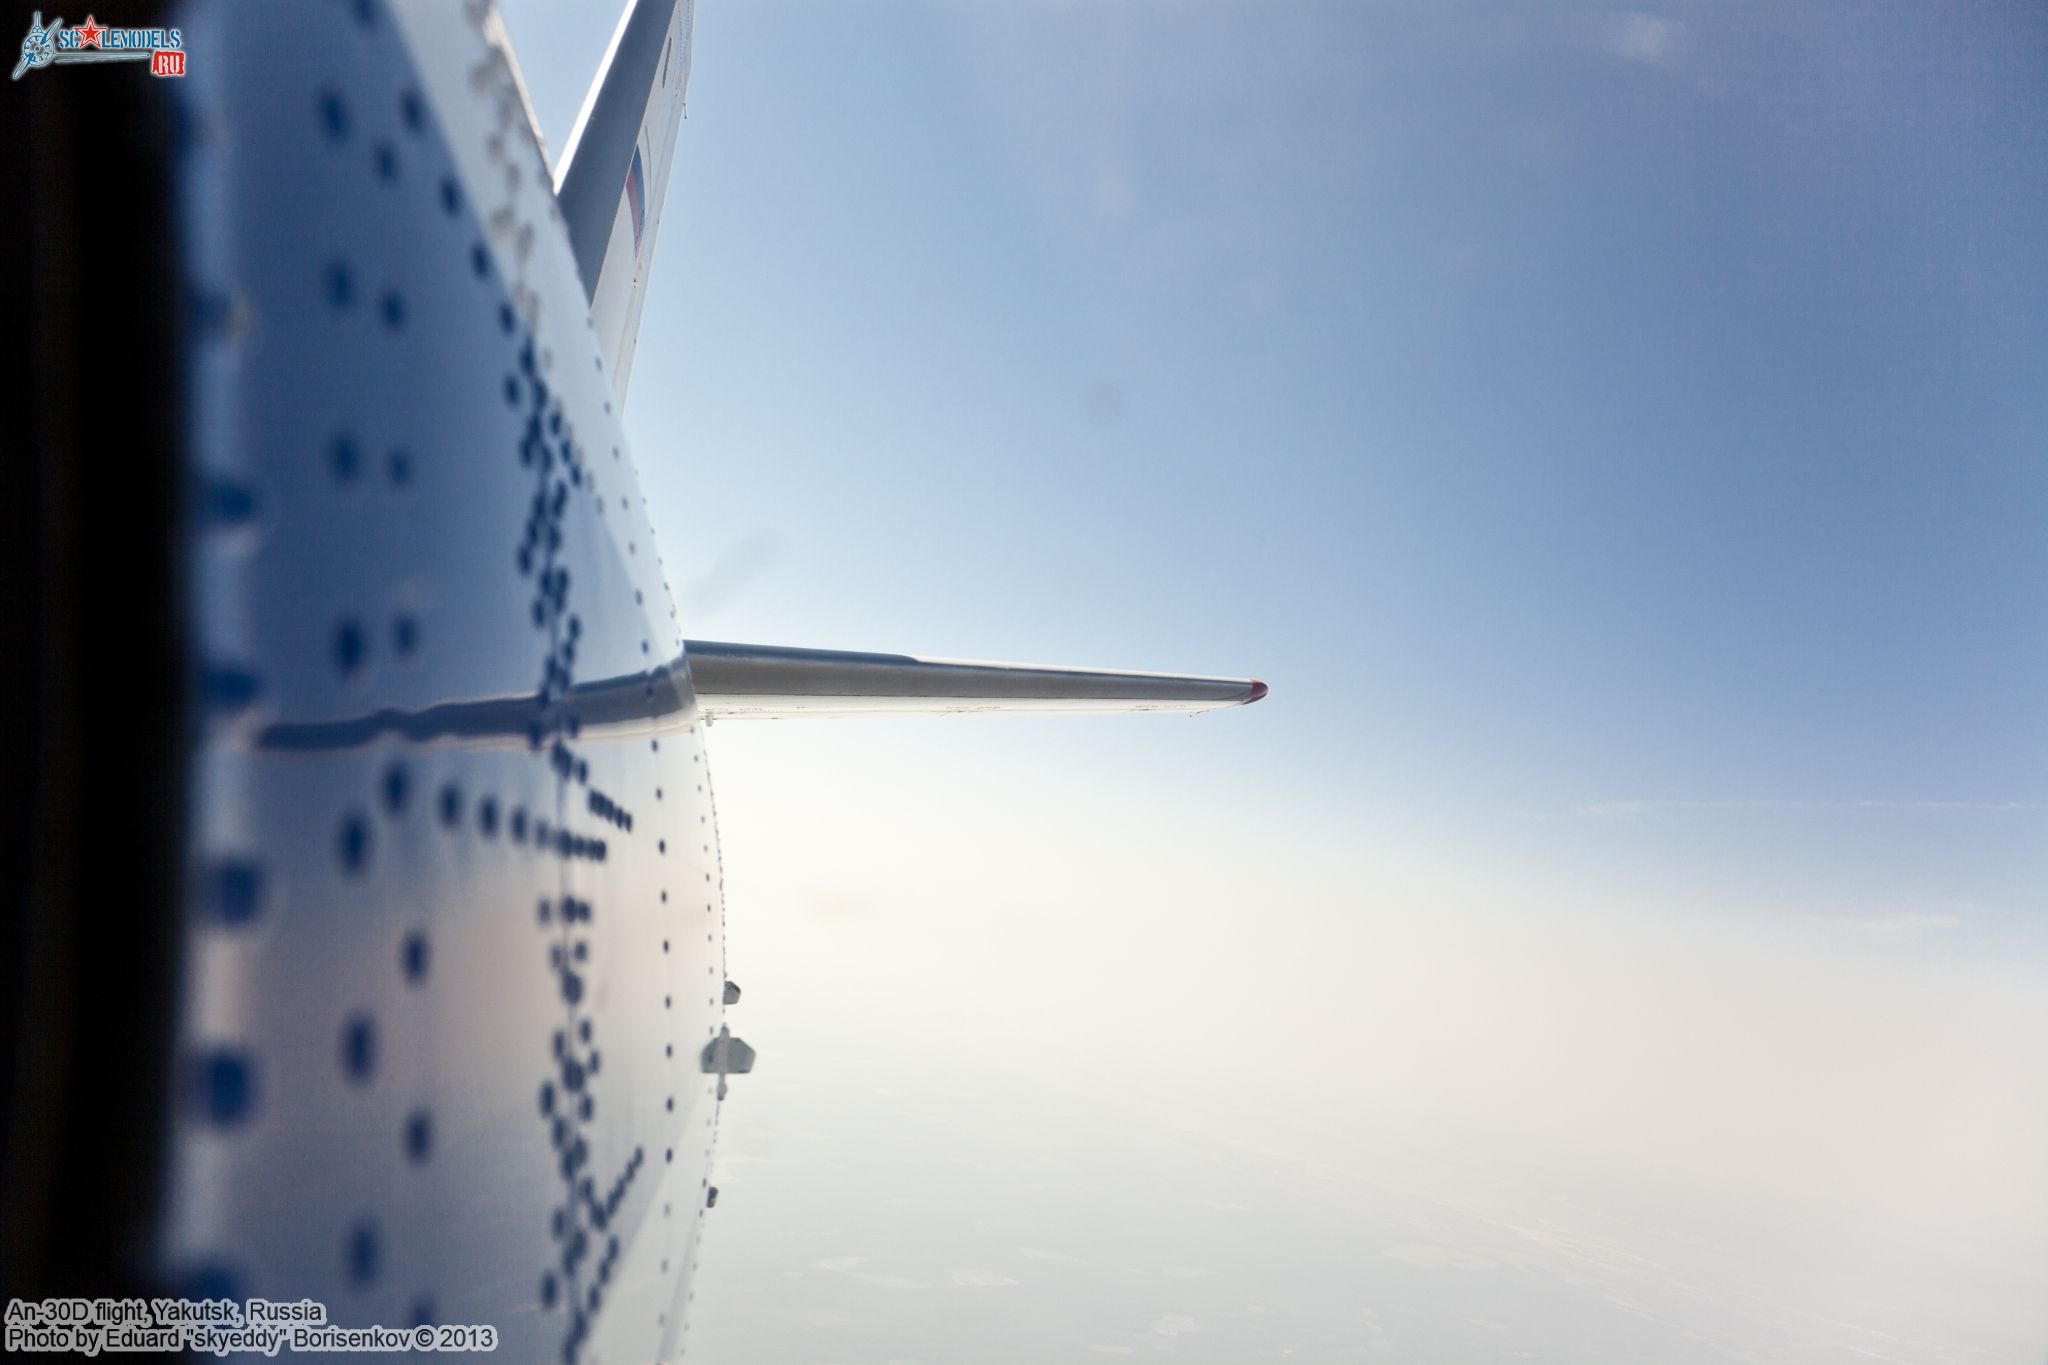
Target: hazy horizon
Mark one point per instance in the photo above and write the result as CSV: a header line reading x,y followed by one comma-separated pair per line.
x,y
1614,434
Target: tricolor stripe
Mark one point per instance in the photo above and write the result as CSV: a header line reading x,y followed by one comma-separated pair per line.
x,y
636,199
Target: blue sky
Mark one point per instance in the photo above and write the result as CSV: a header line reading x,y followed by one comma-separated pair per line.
x,y
1616,436
1560,407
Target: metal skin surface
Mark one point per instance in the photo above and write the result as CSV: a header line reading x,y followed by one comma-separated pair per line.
x,y
450,1041
446,1005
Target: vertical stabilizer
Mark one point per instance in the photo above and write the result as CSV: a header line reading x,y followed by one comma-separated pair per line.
x,y
613,177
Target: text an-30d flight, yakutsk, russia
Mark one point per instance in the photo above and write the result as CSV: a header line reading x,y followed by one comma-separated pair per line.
x,y
373,951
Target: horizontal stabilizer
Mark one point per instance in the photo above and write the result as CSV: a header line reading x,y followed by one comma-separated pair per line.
x,y
769,682
736,682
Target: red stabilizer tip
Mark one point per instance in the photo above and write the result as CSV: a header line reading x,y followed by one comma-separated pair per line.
x,y
1258,691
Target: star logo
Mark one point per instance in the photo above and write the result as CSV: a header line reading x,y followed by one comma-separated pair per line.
x,y
88,32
